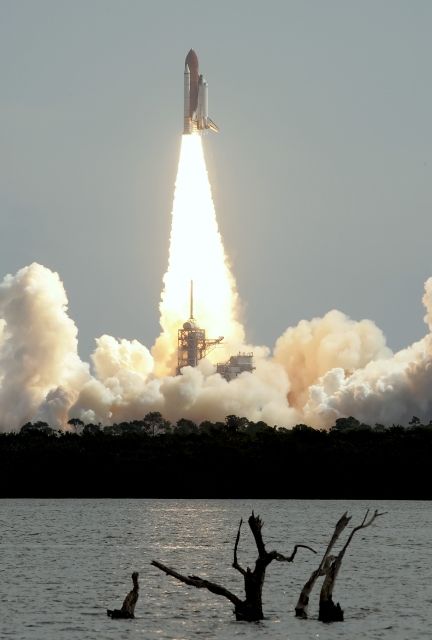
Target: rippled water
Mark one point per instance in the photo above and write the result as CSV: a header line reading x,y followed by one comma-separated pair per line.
x,y
63,562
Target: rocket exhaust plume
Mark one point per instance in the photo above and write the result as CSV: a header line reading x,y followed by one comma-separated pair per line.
x,y
196,253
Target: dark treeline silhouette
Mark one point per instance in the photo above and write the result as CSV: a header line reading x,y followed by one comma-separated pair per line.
x,y
235,458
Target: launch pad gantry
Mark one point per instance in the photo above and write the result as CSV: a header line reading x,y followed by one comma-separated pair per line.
x,y
193,345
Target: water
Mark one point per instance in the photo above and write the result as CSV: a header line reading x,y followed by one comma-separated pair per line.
x,y
64,562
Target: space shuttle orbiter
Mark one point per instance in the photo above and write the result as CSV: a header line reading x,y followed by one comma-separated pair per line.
x,y
196,117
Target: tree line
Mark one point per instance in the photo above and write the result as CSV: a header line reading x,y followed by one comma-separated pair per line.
x,y
235,458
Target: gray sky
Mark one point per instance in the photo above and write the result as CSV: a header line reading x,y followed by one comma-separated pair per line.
x,y
321,173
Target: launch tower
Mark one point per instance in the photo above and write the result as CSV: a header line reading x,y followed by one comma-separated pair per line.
x,y
193,345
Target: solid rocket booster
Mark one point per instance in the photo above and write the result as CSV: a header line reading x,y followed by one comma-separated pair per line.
x,y
196,118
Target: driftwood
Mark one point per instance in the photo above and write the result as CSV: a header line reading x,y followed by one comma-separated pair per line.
x,y
249,608
128,606
329,567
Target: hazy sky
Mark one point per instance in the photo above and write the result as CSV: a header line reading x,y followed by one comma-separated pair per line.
x,y
321,172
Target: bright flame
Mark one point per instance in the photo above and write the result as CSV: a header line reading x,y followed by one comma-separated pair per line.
x,y
196,253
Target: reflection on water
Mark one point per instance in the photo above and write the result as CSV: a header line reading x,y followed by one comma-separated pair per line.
x,y
64,562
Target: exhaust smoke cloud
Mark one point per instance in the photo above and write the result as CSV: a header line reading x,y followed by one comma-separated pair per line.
x,y
318,371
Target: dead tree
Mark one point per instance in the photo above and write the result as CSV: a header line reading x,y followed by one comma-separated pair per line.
x,y
250,608
328,610
329,567
128,606
301,609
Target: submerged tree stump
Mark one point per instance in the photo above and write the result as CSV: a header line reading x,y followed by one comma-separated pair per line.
x,y
328,610
329,567
249,608
129,603
301,609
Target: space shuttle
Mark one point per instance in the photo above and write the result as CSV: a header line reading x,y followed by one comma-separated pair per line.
x,y
196,118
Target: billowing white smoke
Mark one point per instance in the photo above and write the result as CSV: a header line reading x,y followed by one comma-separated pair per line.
x,y
314,347
198,394
427,301
121,359
321,370
385,391
40,371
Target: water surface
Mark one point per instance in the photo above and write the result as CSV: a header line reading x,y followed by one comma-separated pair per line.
x,y
64,562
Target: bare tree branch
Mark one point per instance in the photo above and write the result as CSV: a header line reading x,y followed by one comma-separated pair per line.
x,y
281,558
235,562
365,523
199,583
256,524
